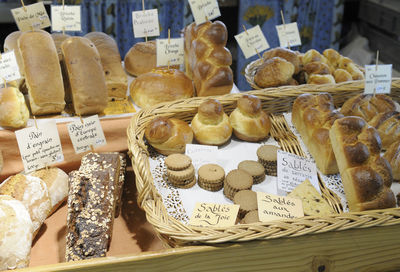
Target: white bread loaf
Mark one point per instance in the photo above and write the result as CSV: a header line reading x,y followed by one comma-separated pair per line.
x,y
43,77
313,116
366,175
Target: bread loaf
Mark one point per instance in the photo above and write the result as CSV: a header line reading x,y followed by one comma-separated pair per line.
x,y
392,155
116,78
43,77
313,116
274,72
11,44
13,110
58,38
285,54
366,175
208,59
85,75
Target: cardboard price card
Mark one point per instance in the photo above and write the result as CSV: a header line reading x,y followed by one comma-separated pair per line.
x,y
204,10
214,215
288,35
145,23
33,16
171,52
273,207
86,134
66,18
39,147
378,79
293,170
252,41
9,69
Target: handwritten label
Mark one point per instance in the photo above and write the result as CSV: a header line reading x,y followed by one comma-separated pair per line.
x,y
379,79
90,133
214,215
66,18
273,207
252,41
293,170
119,107
171,52
288,35
9,67
204,10
35,16
39,146
145,23
201,154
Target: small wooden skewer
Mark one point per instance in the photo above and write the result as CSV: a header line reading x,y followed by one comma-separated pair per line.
x,y
34,119
23,5
143,12
258,54
284,26
376,69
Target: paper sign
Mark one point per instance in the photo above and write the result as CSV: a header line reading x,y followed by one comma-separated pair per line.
x,y
35,16
85,135
201,154
288,35
66,18
379,79
9,67
39,147
273,207
214,215
145,23
252,41
171,52
204,10
293,170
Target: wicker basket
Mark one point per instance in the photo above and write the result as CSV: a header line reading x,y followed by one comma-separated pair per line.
x,y
274,100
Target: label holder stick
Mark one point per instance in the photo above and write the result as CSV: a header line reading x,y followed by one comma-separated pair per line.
x,y
258,54
23,5
376,69
34,120
63,6
169,41
143,13
284,26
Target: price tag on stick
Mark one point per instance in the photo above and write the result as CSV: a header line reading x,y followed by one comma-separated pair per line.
x,y
66,18
252,41
204,10
145,23
9,67
31,16
214,215
288,35
39,146
378,79
170,52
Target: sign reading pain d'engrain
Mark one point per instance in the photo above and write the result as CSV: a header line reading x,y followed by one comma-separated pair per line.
x,y
204,10
252,41
214,215
9,69
378,78
67,18
145,23
170,52
31,16
273,207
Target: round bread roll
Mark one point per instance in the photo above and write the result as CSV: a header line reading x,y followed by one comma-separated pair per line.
x,y
141,58
168,135
211,124
33,193
286,54
16,230
13,110
249,121
160,85
274,72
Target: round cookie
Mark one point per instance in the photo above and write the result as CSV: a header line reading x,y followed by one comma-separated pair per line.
x,y
247,200
255,169
251,217
178,176
235,181
267,156
177,161
188,184
211,177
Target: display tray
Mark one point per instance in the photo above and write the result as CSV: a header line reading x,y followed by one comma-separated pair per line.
x,y
275,101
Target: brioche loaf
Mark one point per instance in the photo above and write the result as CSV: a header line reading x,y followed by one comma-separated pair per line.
x,y
313,116
58,38
13,110
274,72
211,124
366,175
208,60
388,126
116,78
85,75
392,155
10,44
43,76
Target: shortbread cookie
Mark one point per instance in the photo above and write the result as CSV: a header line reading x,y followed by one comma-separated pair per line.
x,y
251,217
267,156
188,184
178,161
247,200
235,181
211,177
177,176
255,169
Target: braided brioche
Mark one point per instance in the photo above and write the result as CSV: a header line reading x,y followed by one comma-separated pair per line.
x,y
207,58
366,175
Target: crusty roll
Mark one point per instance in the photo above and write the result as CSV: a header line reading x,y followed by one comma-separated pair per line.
x,y
168,135
85,75
366,175
211,124
13,110
388,126
333,57
313,116
160,85
367,106
42,72
58,38
10,44
249,121
320,79
286,54
342,75
141,58
317,68
348,65
392,155
15,234
208,59
116,78
274,72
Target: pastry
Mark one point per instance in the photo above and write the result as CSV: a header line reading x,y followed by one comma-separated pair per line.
x,y
211,124
333,57
274,72
251,217
247,200
235,181
348,65
342,75
286,54
268,156
211,177
13,110
317,68
388,127
321,79
255,169
249,121
311,55
392,155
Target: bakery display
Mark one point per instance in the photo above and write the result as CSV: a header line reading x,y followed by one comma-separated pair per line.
x,y
313,116
248,120
392,155
365,174
43,77
207,60
388,127
211,124
11,44
160,85
13,111
168,135
211,177
116,78
268,156
235,181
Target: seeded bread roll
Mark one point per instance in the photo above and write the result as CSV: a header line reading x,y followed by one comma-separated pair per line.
x,y
13,110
